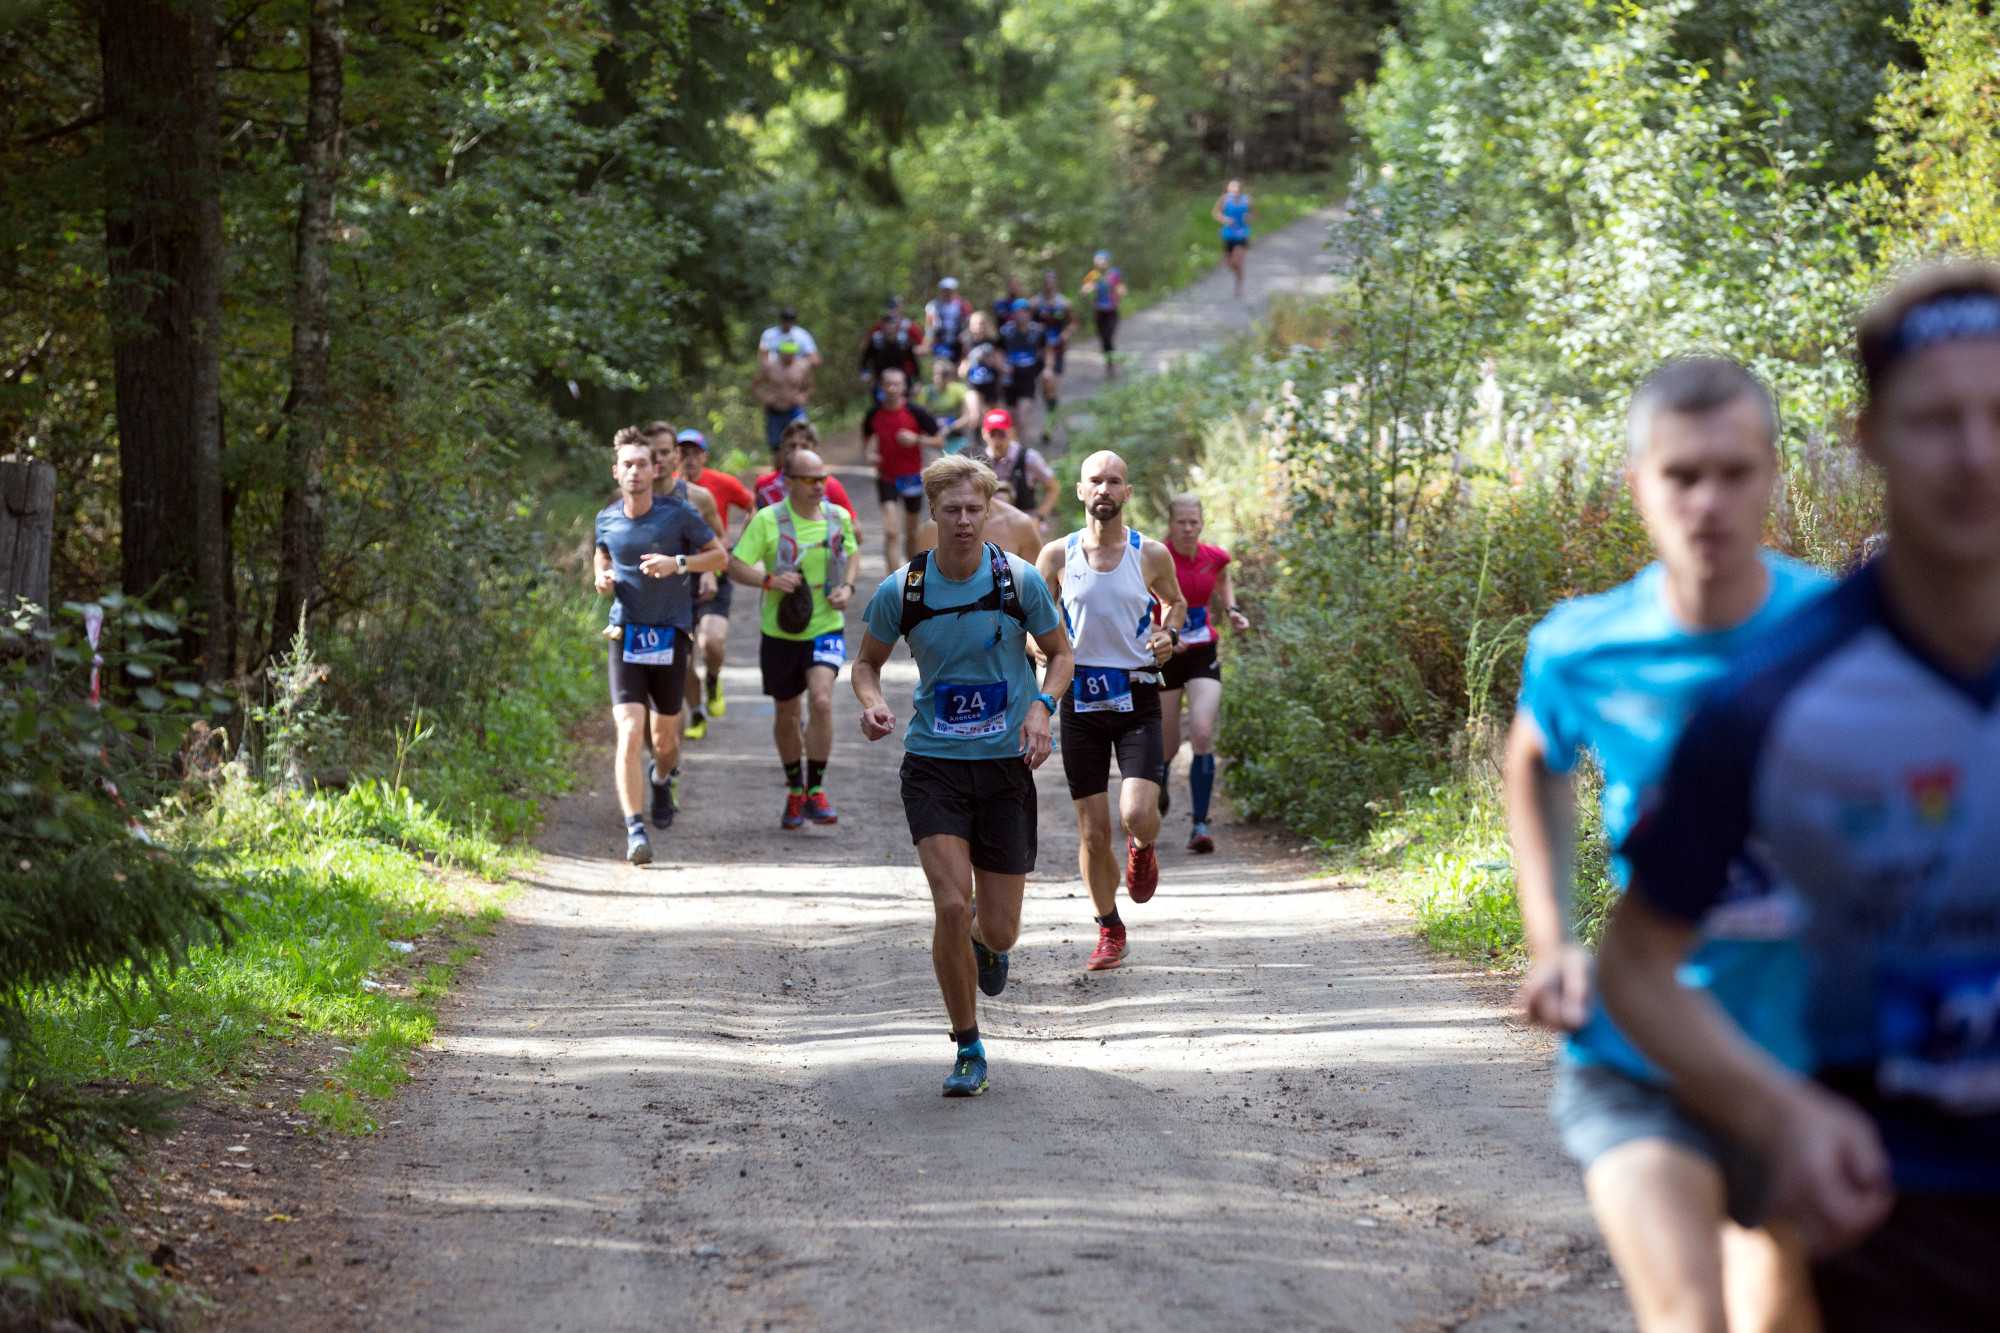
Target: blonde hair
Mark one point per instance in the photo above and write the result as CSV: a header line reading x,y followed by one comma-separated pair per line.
x,y
1185,498
1875,332
957,470
979,328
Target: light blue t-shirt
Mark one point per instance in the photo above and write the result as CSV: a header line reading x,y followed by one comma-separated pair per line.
x,y
1615,674
974,680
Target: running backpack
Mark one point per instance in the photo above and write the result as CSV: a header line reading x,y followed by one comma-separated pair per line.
x,y
794,611
1002,596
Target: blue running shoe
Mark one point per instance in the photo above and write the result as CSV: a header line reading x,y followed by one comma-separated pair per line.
x,y
968,1072
992,968
638,848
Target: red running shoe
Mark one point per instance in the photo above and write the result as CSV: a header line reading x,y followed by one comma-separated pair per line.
x,y
1199,840
818,809
1110,951
795,810
1142,871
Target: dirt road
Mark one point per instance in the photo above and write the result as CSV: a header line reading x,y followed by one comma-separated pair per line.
x,y
704,1094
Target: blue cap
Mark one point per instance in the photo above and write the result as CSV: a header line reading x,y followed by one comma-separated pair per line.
x,y
1020,303
692,436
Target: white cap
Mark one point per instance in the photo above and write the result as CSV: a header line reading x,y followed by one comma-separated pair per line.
x,y
949,284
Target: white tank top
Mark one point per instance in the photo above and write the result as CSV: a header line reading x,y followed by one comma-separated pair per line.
x,y
1108,615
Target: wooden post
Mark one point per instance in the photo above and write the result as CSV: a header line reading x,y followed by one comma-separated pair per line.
x,y
27,527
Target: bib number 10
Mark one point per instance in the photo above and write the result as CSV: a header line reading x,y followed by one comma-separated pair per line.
x,y
649,645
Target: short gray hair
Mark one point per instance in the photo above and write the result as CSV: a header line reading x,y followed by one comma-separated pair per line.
x,y
1692,385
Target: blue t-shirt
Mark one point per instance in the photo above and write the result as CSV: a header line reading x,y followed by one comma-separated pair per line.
x,y
974,680
1616,674
1236,207
1868,775
670,527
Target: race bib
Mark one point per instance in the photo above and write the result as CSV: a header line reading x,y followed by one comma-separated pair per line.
x,y
830,649
1939,1031
958,709
649,645
1198,630
1101,690
910,485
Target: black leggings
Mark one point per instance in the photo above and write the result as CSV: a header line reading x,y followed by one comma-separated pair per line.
x,y
1107,330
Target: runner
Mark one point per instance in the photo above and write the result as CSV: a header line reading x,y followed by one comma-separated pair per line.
x,y
642,548
1203,574
667,485
1025,347
1105,286
894,435
1051,310
1003,304
1618,673
1029,481
984,370
787,330
810,563
770,487
945,319
784,387
1232,214
891,344
1858,757
978,730
713,592
1006,527
1110,581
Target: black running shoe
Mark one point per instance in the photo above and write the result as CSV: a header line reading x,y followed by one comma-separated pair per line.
x,y
992,968
663,797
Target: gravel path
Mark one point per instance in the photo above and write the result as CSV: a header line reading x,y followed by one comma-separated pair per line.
x,y
704,1094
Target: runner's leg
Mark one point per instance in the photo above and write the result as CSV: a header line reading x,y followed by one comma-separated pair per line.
x,y
1204,710
1170,737
1767,1281
1095,862
714,637
785,733
947,863
1139,809
1659,1206
630,764
819,715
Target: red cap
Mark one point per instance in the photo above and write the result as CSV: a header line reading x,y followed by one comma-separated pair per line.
x,y
999,419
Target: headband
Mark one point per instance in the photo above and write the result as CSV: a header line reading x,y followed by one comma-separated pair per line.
x,y
1950,317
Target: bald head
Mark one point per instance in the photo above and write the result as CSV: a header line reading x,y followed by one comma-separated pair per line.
x,y
805,478
1102,486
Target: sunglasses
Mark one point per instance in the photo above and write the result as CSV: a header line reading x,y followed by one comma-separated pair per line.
x,y
806,476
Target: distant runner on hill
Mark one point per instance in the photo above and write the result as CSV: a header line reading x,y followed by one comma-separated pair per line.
x,y
1232,214
1104,288
945,319
1195,668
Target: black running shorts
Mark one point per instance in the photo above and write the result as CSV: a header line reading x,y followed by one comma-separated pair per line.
x,y
1197,663
988,802
886,492
725,596
1107,330
1929,1267
1021,385
1088,740
1058,355
660,688
785,663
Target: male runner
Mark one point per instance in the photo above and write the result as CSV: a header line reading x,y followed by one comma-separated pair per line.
x,y
770,487
810,563
890,344
1232,214
945,319
894,435
978,730
644,549
1003,304
1203,573
1024,347
784,387
714,592
1051,310
1618,673
984,370
787,330
667,485
1111,580
1030,481
1105,286
1006,527
1858,755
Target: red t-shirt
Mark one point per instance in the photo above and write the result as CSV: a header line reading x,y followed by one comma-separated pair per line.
x,y
898,459
770,489
1197,579
729,494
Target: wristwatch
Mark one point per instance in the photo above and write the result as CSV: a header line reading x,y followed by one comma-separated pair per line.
x,y
1048,701
1175,636
680,563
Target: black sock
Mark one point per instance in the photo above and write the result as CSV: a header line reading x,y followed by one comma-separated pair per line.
x,y
967,1037
1111,919
635,823
815,771
795,775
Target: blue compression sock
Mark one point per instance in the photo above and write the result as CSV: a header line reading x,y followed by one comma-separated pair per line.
x,y
1201,784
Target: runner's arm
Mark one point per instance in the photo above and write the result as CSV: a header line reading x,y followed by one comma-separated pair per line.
x,y
1049,564
1216,211
927,423
1059,661
1164,584
1541,824
1228,591
710,559
877,720
1829,1172
602,574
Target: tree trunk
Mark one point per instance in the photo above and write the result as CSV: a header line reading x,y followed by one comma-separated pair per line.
x,y
302,522
163,237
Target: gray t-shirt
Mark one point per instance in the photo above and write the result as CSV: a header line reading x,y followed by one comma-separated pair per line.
x,y
670,527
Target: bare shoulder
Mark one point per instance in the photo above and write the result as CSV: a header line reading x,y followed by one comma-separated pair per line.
x,y
1049,561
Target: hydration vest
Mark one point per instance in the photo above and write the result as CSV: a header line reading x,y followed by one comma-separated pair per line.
x,y
789,551
1002,596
